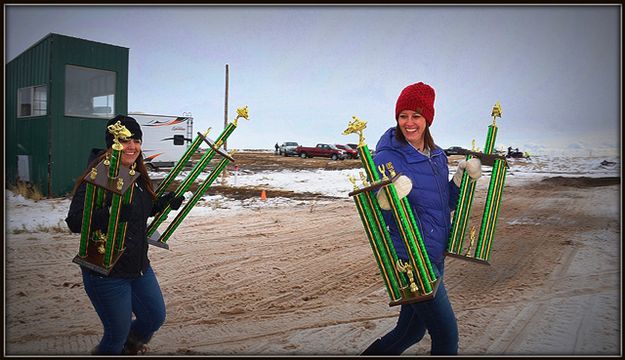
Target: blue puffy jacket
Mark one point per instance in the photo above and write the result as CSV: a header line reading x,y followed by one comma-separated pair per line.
x,y
433,195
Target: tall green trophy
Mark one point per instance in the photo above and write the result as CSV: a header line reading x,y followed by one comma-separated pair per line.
x,y
482,251
100,251
406,282
160,239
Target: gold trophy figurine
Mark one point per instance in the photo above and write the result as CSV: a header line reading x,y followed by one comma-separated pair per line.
x,y
472,238
406,268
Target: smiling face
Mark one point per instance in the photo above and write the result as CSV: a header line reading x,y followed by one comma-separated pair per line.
x,y
412,125
131,151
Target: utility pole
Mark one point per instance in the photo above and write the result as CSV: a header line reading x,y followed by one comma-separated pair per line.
x,y
224,174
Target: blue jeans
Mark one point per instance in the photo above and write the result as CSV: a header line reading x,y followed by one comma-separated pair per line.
x,y
116,299
436,316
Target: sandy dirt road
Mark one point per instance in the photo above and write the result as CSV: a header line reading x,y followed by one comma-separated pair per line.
x,y
302,280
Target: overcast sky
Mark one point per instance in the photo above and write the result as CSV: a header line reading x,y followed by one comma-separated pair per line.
x,y
304,71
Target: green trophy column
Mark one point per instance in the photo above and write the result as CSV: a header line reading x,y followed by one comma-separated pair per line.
x,y
115,163
180,164
491,210
367,163
387,243
377,242
94,199
373,177
121,229
490,139
462,213
419,240
194,199
85,231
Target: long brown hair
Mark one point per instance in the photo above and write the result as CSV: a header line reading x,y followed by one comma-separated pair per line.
x,y
140,168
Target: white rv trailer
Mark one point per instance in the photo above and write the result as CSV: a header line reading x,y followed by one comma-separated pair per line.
x,y
165,138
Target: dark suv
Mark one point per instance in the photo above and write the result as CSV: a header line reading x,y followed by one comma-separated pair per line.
x,y
455,150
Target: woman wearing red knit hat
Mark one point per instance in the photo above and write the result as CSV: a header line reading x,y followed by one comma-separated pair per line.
x,y
410,148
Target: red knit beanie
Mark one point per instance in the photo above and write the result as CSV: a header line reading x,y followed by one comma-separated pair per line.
x,y
417,96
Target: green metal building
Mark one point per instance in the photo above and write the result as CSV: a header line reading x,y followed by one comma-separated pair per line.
x,y
59,94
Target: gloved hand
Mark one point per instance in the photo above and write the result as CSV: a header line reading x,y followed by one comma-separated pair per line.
x,y
170,199
403,185
473,168
128,212
175,203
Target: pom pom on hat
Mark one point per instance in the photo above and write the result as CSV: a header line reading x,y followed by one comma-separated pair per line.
x,y
130,123
417,96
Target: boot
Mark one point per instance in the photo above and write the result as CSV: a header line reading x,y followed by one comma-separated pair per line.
x,y
374,348
134,346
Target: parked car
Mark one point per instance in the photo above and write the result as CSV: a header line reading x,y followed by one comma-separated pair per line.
x,y
351,153
355,147
321,150
455,150
288,148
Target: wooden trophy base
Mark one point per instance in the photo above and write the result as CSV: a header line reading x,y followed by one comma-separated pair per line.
x,y
470,258
374,186
95,261
102,180
154,240
410,297
212,146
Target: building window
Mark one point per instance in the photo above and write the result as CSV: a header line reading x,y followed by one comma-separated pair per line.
x,y
32,101
89,92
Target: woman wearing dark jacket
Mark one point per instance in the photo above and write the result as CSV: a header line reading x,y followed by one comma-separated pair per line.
x,y
131,286
410,149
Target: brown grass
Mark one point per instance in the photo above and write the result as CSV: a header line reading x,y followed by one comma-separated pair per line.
x,y
27,190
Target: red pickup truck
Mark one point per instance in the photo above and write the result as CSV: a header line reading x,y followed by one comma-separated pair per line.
x,y
350,152
321,150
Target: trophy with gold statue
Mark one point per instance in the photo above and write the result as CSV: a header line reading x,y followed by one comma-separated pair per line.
x,y
100,251
408,281
160,239
480,251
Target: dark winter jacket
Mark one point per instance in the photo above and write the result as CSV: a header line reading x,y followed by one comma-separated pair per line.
x,y
433,195
134,260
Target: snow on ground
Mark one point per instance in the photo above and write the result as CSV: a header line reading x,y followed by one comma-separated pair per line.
x,y
24,215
